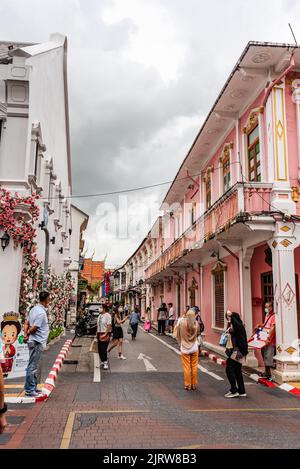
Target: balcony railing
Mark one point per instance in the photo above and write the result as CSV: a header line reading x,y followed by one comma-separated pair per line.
x,y
241,198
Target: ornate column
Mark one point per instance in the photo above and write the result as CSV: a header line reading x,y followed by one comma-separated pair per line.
x,y
296,99
283,244
281,195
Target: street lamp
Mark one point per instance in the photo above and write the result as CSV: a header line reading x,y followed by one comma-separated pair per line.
x,y
5,241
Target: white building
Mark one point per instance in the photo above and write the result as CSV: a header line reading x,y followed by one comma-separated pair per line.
x,y
35,156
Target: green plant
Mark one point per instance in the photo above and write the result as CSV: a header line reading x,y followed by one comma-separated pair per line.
x,y
55,332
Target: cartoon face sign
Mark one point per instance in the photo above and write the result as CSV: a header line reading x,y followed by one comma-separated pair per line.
x,y
9,334
10,329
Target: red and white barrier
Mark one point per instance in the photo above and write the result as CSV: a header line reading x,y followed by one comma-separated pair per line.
x,y
50,381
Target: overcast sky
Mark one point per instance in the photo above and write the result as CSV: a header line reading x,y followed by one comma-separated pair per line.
x,y
143,75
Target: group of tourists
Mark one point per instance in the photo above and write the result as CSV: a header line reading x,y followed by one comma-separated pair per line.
x,y
188,330
110,332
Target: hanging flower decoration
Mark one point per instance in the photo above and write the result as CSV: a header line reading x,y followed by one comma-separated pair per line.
x,y
23,233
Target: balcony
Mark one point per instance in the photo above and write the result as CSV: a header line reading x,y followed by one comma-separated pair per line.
x,y
241,199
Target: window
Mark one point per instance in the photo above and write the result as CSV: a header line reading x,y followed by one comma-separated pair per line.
x,y
219,295
193,213
208,190
226,172
254,166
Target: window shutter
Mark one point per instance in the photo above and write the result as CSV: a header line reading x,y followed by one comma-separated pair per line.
x,y
219,299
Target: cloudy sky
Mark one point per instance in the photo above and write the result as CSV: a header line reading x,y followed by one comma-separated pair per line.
x,y
143,75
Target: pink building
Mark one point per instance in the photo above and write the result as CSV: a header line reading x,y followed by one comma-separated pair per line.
x,y
230,234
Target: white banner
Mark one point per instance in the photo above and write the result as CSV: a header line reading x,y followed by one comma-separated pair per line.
x,y
14,353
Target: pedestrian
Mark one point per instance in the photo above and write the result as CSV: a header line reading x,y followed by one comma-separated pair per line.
x,y
117,338
161,319
171,318
103,334
269,350
147,323
201,326
3,406
187,331
36,332
236,351
134,320
121,311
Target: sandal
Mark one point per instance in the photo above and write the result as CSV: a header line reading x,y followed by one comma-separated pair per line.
x,y
194,388
187,388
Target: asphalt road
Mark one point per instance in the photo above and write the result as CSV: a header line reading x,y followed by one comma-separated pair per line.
x,y
130,407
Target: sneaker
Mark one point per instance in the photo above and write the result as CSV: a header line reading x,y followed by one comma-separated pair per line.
x,y
243,395
121,357
230,395
105,366
33,394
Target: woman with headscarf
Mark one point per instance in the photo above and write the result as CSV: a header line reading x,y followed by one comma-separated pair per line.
x,y
236,351
187,331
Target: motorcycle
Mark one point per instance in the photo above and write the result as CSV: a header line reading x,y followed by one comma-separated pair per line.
x,y
87,324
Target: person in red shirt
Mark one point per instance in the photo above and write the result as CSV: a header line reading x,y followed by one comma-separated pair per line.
x,y
269,350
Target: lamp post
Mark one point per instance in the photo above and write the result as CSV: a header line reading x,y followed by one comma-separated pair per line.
x,y
5,241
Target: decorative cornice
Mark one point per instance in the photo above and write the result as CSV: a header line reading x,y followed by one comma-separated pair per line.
x,y
252,119
226,151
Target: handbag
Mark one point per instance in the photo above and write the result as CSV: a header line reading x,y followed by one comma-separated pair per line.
x,y
223,339
104,337
199,341
129,330
94,346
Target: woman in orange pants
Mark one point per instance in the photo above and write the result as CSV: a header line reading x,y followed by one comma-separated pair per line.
x,y
186,333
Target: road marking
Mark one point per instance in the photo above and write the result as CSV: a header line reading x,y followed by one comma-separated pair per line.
x,y
66,439
251,409
148,365
200,367
97,371
65,442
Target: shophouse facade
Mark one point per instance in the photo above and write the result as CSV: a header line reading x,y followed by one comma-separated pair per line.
x,y
35,158
230,231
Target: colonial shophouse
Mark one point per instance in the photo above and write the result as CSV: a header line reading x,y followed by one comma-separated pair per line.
x,y
230,233
35,158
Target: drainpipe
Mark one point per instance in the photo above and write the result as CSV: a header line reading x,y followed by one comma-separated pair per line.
x,y
283,74
46,261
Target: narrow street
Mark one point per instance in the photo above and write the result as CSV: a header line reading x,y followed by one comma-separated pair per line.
x,y
130,407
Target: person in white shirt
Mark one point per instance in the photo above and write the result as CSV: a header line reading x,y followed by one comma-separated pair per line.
x,y
103,334
171,318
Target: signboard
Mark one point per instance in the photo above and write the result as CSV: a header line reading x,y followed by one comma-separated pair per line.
x,y
14,353
258,339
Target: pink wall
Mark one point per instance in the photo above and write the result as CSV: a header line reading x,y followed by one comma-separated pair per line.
x,y
232,296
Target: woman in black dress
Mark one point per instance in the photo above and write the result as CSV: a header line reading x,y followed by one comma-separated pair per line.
x,y
236,351
117,339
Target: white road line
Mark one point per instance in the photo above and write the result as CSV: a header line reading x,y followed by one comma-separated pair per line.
x,y
97,371
200,367
147,363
